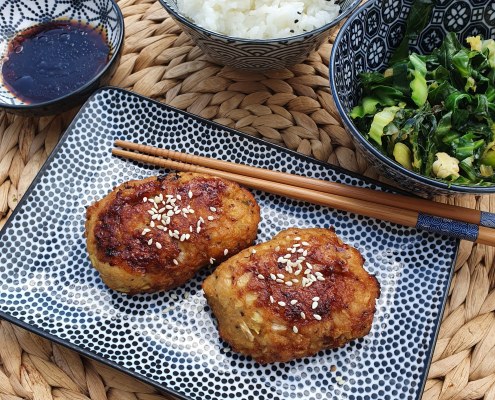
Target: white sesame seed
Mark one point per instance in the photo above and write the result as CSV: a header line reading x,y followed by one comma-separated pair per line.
x,y
175,261
303,316
177,212
293,302
210,218
179,197
279,280
253,251
314,305
261,276
145,199
182,237
294,329
170,213
288,268
171,233
293,251
213,209
305,243
158,245
300,250
272,300
277,248
295,280
188,236
145,231
316,298
296,244
288,283
202,220
157,199
190,229
198,229
185,210
190,194
191,211
212,260
150,242
317,317
297,272
225,252
273,276
151,212
297,238
281,276
287,256
161,210
152,224
281,304
320,278
168,207
305,253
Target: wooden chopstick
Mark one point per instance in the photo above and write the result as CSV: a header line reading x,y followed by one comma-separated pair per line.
x,y
458,213
367,208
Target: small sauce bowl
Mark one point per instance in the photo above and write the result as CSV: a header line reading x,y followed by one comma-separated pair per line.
x,y
97,18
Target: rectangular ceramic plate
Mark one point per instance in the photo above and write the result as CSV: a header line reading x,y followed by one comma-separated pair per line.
x,y
169,339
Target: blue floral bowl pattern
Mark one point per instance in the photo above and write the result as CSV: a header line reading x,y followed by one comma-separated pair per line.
x,y
16,16
252,54
366,42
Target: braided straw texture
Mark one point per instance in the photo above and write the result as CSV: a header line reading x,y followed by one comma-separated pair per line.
x,y
291,107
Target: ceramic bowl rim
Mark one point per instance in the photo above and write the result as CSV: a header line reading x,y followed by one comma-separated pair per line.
x,y
113,58
389,163
182,19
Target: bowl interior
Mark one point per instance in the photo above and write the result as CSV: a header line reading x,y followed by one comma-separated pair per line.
x,y
370,36
367,41
16,16
346,7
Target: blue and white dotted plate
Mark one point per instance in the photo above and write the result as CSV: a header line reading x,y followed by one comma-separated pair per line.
x,y
169,339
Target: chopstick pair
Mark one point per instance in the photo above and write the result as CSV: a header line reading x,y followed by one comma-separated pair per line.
x,y
459,222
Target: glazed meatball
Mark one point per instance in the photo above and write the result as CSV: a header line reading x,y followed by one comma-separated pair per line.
x,y
301,292
156,233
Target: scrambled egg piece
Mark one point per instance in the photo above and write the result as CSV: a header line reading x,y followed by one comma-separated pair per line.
x,y
445,166
474,42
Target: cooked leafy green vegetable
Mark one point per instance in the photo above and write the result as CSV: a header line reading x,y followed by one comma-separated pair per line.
x,y
434,114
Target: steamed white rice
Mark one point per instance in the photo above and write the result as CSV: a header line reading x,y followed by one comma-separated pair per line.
x,y
259,19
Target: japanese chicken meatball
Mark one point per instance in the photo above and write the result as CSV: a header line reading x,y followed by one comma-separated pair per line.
x,y
156,233
301,292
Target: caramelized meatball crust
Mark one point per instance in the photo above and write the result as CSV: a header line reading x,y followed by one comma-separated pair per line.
x,y
156,233
301,292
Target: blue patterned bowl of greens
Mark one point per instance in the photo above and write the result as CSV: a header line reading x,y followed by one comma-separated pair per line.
x,y
74,48
257,54
366,43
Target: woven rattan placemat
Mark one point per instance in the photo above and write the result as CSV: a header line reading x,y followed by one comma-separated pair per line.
x,y
292,108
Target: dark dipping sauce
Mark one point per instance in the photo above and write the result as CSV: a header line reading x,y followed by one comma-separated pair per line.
x,y
51,60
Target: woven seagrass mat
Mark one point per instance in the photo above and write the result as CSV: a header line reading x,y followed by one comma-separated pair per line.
x,y
292,108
